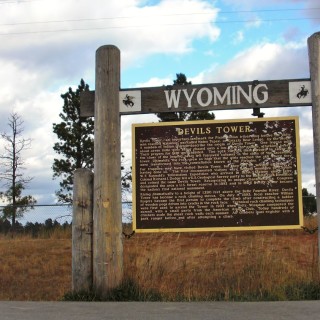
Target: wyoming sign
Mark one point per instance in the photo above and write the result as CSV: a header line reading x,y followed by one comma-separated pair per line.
x,y
218,96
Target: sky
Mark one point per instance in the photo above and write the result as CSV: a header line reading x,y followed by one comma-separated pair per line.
x,y
48,46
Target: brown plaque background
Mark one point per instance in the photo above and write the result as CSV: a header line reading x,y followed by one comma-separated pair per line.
x,y
217,175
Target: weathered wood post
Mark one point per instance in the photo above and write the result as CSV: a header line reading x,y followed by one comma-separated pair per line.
x,y
314,61
107,219
82,230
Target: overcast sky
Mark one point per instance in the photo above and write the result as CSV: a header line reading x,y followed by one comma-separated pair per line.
x,y
47,46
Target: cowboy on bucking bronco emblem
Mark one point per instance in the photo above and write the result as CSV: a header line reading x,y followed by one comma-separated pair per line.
x,y
128,101
303,92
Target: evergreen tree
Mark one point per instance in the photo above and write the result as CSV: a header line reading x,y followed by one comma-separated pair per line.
x,y
12,166
181,80
75,144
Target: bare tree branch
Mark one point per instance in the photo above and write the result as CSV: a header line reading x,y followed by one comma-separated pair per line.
x,y
11,164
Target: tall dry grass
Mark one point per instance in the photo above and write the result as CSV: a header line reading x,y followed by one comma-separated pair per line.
x,y
35,269
177,266
224,266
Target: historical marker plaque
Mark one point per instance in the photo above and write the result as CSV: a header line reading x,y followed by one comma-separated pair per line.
x,y
217,175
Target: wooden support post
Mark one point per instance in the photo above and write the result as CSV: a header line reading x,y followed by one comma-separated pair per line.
x,y
82,230
107,212
314,61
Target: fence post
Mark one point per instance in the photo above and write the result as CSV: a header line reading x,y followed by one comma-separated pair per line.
x,y
107,211
82,230
314,62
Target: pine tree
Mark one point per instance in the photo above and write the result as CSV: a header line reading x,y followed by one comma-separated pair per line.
x,y
75,144
181,80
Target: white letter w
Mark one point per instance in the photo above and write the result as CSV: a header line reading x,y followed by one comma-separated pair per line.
x,y
171,97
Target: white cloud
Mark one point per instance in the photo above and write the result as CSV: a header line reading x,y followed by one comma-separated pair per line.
x,y
38,60
169,26
126,136
264,61
45,60
155,82
238,37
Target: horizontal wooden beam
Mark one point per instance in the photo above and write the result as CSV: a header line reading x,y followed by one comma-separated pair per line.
x,y
215,96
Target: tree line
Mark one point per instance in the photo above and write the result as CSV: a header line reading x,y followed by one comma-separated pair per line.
x,y
33,229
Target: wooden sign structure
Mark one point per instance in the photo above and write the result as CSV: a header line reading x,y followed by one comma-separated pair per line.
x,y
214,96
314,63
217,175
108,102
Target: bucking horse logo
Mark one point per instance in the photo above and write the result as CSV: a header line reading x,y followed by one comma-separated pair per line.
x,y
128,101
303,92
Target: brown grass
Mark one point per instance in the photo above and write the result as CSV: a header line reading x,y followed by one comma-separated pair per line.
x,y
34,269
186,266
201,266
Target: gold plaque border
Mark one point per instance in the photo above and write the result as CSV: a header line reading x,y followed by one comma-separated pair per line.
x,y
184,123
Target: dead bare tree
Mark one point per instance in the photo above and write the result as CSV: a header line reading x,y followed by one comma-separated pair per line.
x,y
12,167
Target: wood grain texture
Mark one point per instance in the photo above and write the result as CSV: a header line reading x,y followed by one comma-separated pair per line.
x,y
107,237
314,63
82,230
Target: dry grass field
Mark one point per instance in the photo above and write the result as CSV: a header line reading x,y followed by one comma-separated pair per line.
x,y
178,266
